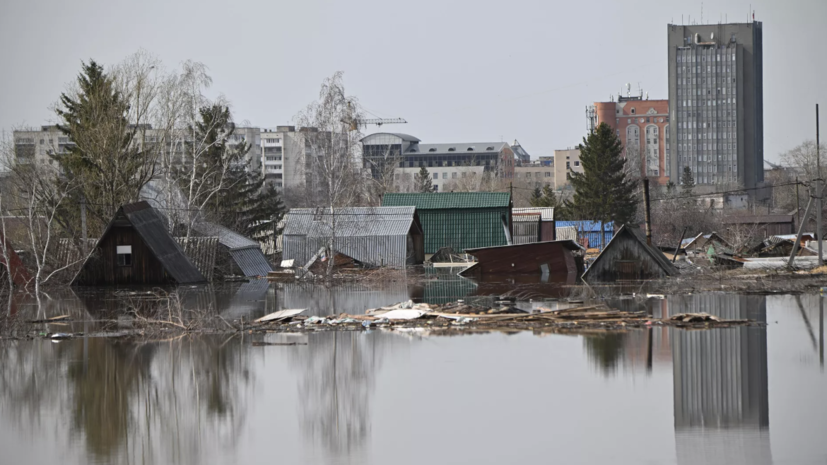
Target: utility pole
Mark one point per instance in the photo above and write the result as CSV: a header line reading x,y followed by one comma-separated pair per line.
x,y
818,198
797,203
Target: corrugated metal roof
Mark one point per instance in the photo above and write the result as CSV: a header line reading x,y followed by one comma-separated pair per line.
x,y
350,222
586,225
227,237
251,261
546,212
448,200
153,230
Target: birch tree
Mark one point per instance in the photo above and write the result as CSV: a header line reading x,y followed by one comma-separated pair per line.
x,y
334,178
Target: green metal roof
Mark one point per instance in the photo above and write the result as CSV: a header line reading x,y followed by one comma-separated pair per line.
x,y
448,200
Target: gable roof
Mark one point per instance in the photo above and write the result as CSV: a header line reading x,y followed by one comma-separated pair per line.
x,y
245,252
636,233
448,200
152,228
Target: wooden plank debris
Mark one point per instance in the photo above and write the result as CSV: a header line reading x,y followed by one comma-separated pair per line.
x,y
280,315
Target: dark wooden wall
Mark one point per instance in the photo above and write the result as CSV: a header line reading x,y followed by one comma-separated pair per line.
x,y
102,267
625,259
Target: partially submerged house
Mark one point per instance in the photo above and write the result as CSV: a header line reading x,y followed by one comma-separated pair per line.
x,y
237,254
374,236
628,257
553,258
534,224
460,220
136,248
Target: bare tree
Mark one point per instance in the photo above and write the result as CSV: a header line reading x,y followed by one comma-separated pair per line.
x,y
803,157
334,178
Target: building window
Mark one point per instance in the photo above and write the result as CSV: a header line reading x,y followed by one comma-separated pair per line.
x,y
445,175
633,111
124,253
454,175
568,165
576,163
548,173
436,187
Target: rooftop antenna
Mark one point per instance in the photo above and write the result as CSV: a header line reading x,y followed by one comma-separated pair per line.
x,y
628,89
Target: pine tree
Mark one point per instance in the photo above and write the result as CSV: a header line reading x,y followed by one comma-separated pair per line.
x,y
422,180
108,168
602,192
687,181
544,198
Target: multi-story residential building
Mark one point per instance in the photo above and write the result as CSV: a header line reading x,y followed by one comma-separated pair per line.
x,y
565,161
272,154
643,128
38,146
404,152
716,86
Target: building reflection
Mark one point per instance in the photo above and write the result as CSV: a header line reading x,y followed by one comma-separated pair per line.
x,y
720,385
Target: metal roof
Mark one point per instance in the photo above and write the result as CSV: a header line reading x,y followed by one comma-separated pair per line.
x,y
586,225
227,237
448,200
245,252
546,212
458,148
350,221
404,137
251,261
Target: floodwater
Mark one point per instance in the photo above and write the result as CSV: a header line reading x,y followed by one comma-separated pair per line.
x,y
731,396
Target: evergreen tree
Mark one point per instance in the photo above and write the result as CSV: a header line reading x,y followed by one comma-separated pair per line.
x,y
422,180
536,195
103,162
687,181
544,198
219,179
602,192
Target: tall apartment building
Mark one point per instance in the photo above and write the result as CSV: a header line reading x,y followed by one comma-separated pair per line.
x,y
716,86
643,128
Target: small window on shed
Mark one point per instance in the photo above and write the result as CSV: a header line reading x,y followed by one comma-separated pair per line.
x,y
124,253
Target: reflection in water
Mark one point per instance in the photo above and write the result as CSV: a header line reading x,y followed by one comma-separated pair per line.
x,y
335,387
170,402
353,298
720,383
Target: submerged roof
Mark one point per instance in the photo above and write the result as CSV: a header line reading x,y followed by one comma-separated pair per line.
x,y
246,253
350,221
152,228
448,200
636,233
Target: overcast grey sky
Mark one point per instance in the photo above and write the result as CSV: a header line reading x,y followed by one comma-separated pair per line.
x,y
477,70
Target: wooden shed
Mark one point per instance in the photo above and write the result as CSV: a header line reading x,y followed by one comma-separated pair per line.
x,y
136,248
762,226
627,257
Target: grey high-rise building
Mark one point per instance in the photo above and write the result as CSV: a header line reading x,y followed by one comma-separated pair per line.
x,y
716,103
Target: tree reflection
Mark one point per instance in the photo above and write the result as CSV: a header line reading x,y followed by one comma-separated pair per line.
x,y
169,402
335,389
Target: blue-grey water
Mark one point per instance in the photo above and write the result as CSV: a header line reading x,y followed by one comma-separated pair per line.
x,y
731,396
